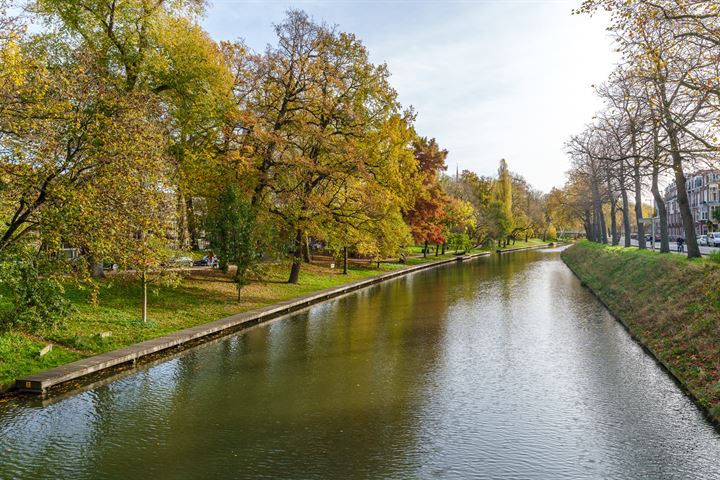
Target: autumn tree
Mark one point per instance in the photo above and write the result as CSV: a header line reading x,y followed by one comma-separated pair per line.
x,y
86,162
123,35
314,112
503,208
426,216
157,49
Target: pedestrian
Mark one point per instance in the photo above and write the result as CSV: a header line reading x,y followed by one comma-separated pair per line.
x,y
213,261
680,244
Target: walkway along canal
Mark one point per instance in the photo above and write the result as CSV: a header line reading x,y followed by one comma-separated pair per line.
x,y
504,367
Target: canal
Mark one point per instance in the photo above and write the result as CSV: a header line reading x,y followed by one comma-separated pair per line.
x,y
503,367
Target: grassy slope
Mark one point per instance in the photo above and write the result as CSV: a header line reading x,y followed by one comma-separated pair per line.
x,y
203,296
669,303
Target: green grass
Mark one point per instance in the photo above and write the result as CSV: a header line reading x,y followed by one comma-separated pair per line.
x,y
19,355
669,303
202,296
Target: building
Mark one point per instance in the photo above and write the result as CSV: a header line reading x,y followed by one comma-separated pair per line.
x,y
703,189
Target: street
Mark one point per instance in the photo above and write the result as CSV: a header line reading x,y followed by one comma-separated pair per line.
x,y
673,247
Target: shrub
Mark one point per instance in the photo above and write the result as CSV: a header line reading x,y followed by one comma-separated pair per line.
x,y
458,241
37,301
714,257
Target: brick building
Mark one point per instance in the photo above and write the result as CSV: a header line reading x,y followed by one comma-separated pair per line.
x,y
703,189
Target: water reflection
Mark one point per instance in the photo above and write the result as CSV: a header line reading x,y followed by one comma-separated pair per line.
x,y
503,367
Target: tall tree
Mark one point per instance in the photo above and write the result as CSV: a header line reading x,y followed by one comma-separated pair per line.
x,y
231,226
426,216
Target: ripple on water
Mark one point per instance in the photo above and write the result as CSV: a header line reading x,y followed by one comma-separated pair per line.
x,y
503,367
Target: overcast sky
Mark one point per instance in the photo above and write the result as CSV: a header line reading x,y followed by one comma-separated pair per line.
x,y
490,79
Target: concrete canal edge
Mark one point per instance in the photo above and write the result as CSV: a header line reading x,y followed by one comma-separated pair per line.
x,y
647,349
43,382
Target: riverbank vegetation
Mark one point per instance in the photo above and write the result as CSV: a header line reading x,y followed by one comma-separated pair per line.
x,y
130,138
669,303
662,108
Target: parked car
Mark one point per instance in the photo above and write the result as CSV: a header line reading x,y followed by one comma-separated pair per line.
x,y
181,261
208,261
108,265
713,239
702,240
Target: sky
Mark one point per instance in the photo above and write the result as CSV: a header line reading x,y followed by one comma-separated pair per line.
x,y
489,79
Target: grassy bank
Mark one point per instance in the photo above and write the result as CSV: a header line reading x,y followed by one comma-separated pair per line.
x,y
670,304
203,295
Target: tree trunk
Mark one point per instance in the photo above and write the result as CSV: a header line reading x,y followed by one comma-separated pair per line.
x,y
603,227
239,280
443,248
587,224
297,258
144,289
625,206
598,223
437,249
96,267
614,237
306,249
661,212
638,204
660,209
425,249
192,226
97,270
345,261
693,250
183,231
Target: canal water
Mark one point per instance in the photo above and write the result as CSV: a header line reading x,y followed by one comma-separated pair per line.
x,y
503,367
